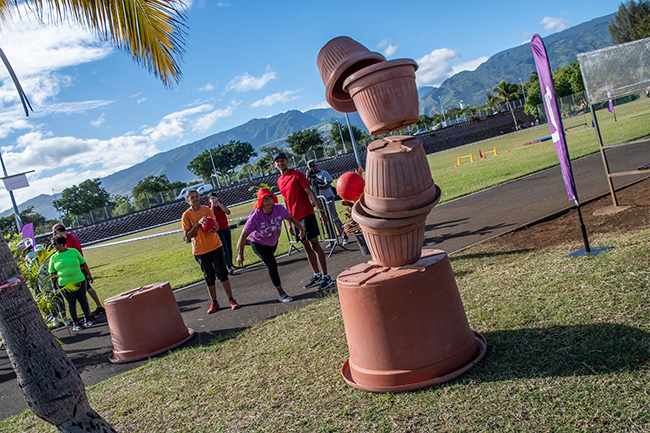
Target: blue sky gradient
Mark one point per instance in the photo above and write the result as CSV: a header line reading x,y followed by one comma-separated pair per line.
x,y
97,112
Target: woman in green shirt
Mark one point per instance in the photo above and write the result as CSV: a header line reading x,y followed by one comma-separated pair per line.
x,y
71,271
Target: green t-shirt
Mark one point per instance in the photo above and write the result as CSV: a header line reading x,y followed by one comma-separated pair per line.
x,y
67,265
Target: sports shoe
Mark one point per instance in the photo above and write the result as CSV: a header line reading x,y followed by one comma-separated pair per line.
x,y
315,280
214,306
346,241
233,304
285,298
56,322
66,321
89,322
98,311
325,282
77,327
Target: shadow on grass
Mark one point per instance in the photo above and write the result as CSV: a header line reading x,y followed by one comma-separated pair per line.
x,y
431,241
561,351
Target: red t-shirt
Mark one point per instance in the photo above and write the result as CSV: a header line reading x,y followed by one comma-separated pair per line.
x,y
292,187
220,215
71,241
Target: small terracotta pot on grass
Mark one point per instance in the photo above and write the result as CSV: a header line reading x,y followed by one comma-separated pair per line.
x,y
144,322
385,95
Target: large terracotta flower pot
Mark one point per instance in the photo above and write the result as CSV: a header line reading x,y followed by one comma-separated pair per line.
x,y
406,327
338,59
398,177
144,322
385,95
392,242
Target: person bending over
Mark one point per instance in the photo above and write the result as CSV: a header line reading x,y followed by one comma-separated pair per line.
x,y
263,227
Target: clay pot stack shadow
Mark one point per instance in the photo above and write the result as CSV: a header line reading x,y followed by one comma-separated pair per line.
x,y
404,320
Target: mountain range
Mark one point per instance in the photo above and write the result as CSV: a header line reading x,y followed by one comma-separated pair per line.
x,y
468,86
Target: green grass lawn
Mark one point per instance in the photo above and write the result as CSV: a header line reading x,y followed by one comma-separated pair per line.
x,y
568,351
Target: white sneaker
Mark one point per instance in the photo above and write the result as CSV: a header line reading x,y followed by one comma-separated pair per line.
x,y
285,298
56,322
345,241
66,321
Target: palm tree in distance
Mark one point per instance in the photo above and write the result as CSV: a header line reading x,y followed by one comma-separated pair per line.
x,y
152,31
506,92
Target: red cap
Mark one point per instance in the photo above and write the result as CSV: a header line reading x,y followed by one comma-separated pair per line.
x,y
264,192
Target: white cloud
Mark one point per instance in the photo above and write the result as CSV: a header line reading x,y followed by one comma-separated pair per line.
x,y
289,95
207,88
321,104
435,67
469,66
141,100
246,82
98,122
207,121
388,48
554,24
440,64
37,50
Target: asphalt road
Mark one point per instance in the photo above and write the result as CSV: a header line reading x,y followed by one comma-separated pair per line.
x,y
451,226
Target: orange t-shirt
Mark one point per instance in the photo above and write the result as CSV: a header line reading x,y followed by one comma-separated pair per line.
x,y
203,242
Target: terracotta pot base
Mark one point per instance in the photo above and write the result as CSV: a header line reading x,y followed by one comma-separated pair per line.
x,y
405,326
405,385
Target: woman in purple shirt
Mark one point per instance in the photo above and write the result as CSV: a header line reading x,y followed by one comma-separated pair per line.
x,y
263,229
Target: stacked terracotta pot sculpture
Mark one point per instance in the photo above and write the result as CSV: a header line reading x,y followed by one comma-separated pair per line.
x,y
404,320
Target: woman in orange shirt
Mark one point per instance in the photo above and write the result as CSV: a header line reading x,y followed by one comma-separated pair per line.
x,y
207,248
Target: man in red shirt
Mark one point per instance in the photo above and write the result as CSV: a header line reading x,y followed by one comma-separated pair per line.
x,y
73,242
297,193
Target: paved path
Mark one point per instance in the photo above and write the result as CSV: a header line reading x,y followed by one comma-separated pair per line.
x,y
451,226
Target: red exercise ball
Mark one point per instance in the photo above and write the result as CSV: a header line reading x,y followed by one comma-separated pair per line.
x,y
350,186
208,224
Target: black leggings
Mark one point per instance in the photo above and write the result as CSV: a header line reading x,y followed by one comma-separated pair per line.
x,y
73,297
267,254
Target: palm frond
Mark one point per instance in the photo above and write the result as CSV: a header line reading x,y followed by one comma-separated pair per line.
x,y
152,31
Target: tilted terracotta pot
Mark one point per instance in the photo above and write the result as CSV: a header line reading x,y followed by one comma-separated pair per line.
x,y
338,59
385,95
406,327
144,322
392,242
398,177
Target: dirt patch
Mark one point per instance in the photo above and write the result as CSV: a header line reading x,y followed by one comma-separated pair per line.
x,y
599,217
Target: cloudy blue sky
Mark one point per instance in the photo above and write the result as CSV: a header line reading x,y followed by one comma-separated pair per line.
x,y
97,112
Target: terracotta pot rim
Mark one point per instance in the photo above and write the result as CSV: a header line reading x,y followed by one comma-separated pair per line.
x,y
402,214
115,360
336,96
361,217
481,350
395,63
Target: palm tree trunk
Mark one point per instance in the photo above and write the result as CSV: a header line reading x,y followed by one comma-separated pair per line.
x,y
514,119
49,381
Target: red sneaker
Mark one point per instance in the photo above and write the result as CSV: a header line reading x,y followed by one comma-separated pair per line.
x,y
214,306
233,304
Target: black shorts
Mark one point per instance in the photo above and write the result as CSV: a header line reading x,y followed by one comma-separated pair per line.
x,y
213,265
310,224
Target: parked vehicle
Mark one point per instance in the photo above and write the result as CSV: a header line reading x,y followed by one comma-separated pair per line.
x,y
201,188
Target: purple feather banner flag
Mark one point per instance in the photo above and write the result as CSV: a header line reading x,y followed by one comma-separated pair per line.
x,y
553,114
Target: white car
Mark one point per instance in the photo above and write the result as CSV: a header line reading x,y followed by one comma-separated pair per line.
x,y
201,188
